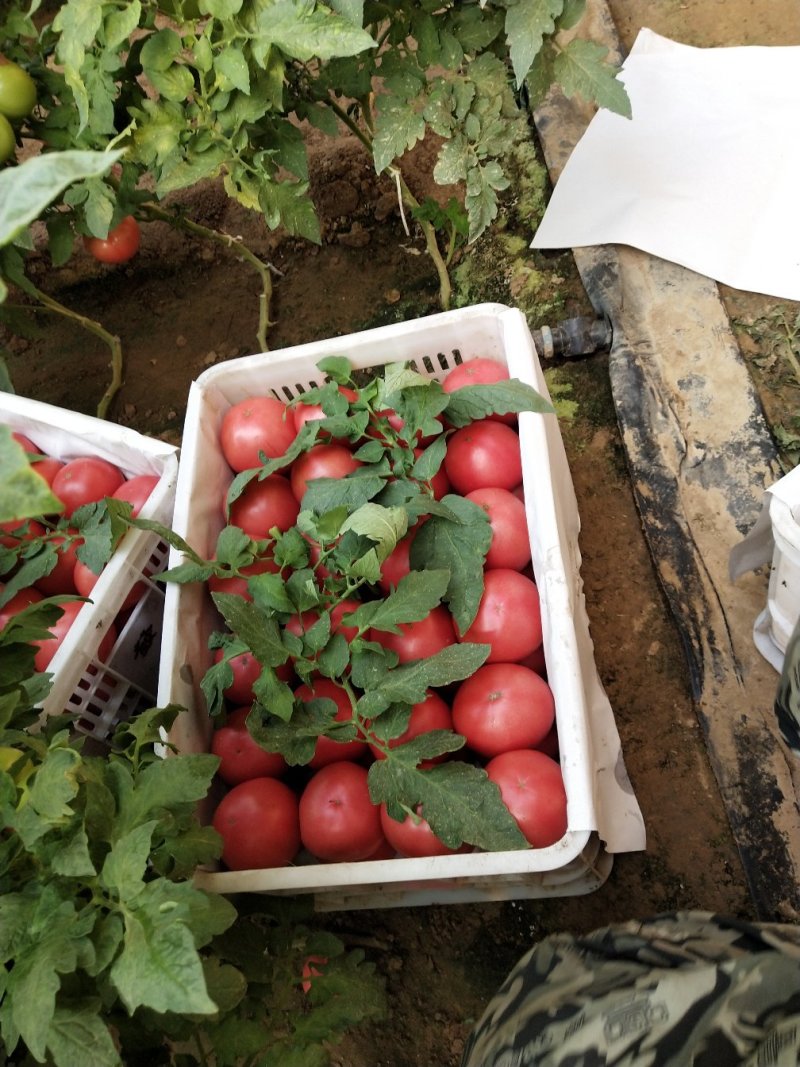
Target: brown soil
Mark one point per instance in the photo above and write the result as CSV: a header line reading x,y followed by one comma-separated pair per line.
x,y
182,306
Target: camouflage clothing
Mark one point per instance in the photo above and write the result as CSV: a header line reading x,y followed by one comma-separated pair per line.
x,y
685,989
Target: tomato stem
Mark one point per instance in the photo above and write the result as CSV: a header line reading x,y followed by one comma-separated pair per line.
x,y
232,244
49,303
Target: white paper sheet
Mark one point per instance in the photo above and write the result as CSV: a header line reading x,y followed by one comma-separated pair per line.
x,y
706,173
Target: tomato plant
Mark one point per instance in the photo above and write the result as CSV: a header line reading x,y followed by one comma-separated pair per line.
x,y
17,91
328,749
259,825
120,245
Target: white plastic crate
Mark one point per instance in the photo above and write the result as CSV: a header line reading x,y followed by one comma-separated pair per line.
x,y
775,539
102,694
601,804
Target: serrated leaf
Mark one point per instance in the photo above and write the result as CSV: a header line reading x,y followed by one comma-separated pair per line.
x,y
77,1036
296,740
120,23
409,682
288,204
304,31
159,966
125,865
459,801
73,859
258,632
60,239
231,69
475,402
160,51
528,22
23,492
273,694
484,181
459,549
581,70
167,784
412,600
398,127
384,526
455,158
226,985
352,492
572,14
175,83
352,10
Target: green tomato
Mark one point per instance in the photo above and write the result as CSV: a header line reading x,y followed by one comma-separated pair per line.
x,y
17,91
7,142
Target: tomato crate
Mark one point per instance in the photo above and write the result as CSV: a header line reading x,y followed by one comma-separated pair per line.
x,y
101,694
603,814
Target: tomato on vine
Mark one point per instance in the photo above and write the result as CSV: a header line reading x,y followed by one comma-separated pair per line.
x,y
17,91
121,244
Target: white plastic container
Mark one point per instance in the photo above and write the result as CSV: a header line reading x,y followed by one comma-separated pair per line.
x,y
100,695
601,803
775,539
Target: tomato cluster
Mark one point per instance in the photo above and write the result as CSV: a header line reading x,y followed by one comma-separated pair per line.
x,y
17,101
75,482
274,808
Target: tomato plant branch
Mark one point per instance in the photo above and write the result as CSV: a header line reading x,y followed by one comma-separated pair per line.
x,y
232,244
49,303
432,245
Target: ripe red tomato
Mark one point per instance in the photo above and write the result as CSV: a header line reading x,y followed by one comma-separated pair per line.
x,y
311,970
259,825
304,413
321,461
136,491
258,424
17,603
18,530
532,788
59,629
238,586
264,505
47,468
430,714
483,454
501,707
121,244
397,564
439,483
418,640
327,750
414,837
509,617
338,821
241,758
85,580
61,578
25,442
511,543
246,671
480,371
85,480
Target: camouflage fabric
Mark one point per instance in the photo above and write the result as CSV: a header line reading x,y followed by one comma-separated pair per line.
x,y
683,989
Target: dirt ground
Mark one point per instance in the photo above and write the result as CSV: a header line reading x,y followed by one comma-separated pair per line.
x,y
182,306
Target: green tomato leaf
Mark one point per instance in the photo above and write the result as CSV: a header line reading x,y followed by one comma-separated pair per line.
x,y
474,402
273,694
352,492
458,800
176,83
159,966
459,548
572,14
125,865
384,526
232,70
411,601
23,492
304,31
288,204
581,69
352,10
528,22
398,127
160,51
297,739
27,189
78,1036
119,23
221,9
259,633
409,682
